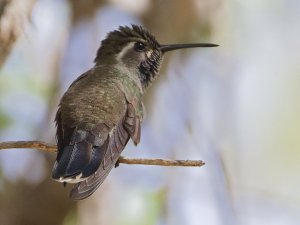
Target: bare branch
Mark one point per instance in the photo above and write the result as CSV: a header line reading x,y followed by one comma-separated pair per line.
x,y
52,148
161,162
28,144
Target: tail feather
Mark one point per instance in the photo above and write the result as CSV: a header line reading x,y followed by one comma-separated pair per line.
x,y
95,161
73,160
92,154
87,187
79,158
116,142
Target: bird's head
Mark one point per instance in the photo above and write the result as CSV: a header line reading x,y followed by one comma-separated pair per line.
x,y
136,48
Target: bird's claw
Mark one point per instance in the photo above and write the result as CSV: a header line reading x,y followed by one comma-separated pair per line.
x,y
117,163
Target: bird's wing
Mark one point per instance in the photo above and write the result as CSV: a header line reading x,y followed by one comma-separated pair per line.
x,y
129,126
94,121
87,113
80,151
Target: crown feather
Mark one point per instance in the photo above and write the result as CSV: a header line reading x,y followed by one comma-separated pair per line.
x,y
117,39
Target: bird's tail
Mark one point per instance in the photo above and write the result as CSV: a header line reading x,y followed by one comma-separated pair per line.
x,y
80,159
116,143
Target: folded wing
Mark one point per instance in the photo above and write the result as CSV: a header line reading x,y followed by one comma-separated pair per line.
x,y
129,126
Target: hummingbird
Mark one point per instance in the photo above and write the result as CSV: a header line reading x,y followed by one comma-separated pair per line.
x,y
103,108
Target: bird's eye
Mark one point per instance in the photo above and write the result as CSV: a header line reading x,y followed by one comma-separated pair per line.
x,y
139,46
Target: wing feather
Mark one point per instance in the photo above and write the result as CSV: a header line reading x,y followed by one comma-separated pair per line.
x,y
95,119
117,141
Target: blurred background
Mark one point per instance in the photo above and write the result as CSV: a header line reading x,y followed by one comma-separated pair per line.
x,y
236,107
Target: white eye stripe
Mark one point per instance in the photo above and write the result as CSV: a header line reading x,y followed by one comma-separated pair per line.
x,y
124,50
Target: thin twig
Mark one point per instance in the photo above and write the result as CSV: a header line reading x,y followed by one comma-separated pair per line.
x,y
161,162
42,146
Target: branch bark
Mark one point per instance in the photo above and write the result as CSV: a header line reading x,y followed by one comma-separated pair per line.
x,y
42,146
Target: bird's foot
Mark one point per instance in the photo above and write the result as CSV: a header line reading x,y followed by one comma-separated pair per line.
x,y
117,163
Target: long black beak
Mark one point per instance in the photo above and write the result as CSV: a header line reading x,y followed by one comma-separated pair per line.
x,y
166,48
